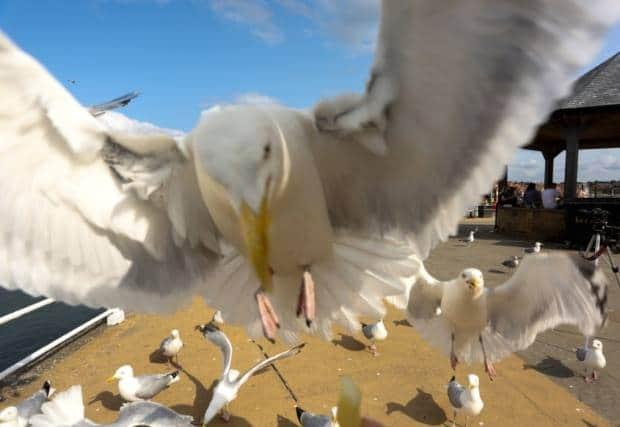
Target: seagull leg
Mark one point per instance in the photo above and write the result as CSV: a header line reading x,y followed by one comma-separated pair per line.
x,y
224,414
594,375
453,359
373,349
268,316
488,366
305,302
454,419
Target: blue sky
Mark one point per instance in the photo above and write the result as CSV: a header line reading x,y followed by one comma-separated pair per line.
x,y
184,55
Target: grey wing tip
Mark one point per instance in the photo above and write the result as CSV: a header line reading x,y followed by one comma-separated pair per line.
x,y
47,387
452,379
597,282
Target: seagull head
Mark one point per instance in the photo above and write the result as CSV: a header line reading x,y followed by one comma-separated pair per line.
x,y
8,414
244,154
472,278
473,381
125,371
174,333
597,345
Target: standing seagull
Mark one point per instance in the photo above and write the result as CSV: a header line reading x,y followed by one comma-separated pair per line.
x,y
308,419
512,262
20,414
374,332
67,410
470,238
477,324
465,400
171,346
534,249
144,387
259,204
231,380
592,358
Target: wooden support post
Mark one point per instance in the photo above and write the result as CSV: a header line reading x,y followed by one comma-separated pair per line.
x,y
572,163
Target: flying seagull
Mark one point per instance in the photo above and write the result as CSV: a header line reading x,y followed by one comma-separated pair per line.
x,y
478,324
465,400
231,380
171,346
67,410
143,387
295,219
121,101
21,414
592,359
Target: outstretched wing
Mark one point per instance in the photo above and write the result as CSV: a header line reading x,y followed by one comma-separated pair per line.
x,y
104,214
546,291
151,414
265,363
456,88
66,409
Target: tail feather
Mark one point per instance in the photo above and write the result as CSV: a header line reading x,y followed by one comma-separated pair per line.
x,y
299,412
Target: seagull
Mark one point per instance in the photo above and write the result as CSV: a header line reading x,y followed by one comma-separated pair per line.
x,y
144,387
231,380
592,358
512,262
534,249
67,410
308,419
470,238
478,324
171,346
20,414
374,332
287,220
465,400
217,318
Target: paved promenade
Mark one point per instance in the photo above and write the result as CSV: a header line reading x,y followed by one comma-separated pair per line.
x,y
403,386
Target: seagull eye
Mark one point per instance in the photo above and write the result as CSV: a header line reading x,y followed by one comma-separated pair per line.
x,y
463,275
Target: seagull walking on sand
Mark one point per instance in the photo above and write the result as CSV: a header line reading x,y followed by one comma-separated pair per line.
x,y
374,332
287,220
144,387
470,238
512,262
231,380
592,358
534,249
465,400
478,324
67,410
20,414
309,419
171,346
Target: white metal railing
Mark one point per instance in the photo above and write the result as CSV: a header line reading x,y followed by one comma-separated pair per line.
x,y
19,313
114,313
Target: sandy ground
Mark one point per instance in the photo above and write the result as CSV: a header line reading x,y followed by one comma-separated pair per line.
x,y
403,386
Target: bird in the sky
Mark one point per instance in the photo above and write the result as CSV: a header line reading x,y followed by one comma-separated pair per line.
x,y
231,380
143,387
478,324
374,332
592,358
465,400
285,220
67,410
171,346
20,415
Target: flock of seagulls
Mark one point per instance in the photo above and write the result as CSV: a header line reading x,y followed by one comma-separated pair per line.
x,y
290,221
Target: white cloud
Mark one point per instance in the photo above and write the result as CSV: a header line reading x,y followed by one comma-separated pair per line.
x,y
255,14
254,98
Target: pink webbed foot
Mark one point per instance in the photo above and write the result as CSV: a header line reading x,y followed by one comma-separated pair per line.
x,y
453,360
268,316
306,301
490,370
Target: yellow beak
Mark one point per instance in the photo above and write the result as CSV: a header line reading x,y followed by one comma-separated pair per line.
x,y
474,284
349,403
255,227
111,379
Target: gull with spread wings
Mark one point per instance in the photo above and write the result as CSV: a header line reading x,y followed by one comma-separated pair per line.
x,y
287,221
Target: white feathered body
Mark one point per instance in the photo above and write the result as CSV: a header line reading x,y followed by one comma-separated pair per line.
x,y
472,403
128,387
171,346
595,359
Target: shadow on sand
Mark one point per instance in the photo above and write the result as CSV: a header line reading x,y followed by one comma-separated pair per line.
x,y
349,343
109,400
552,367
403,322
285,422
421,408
